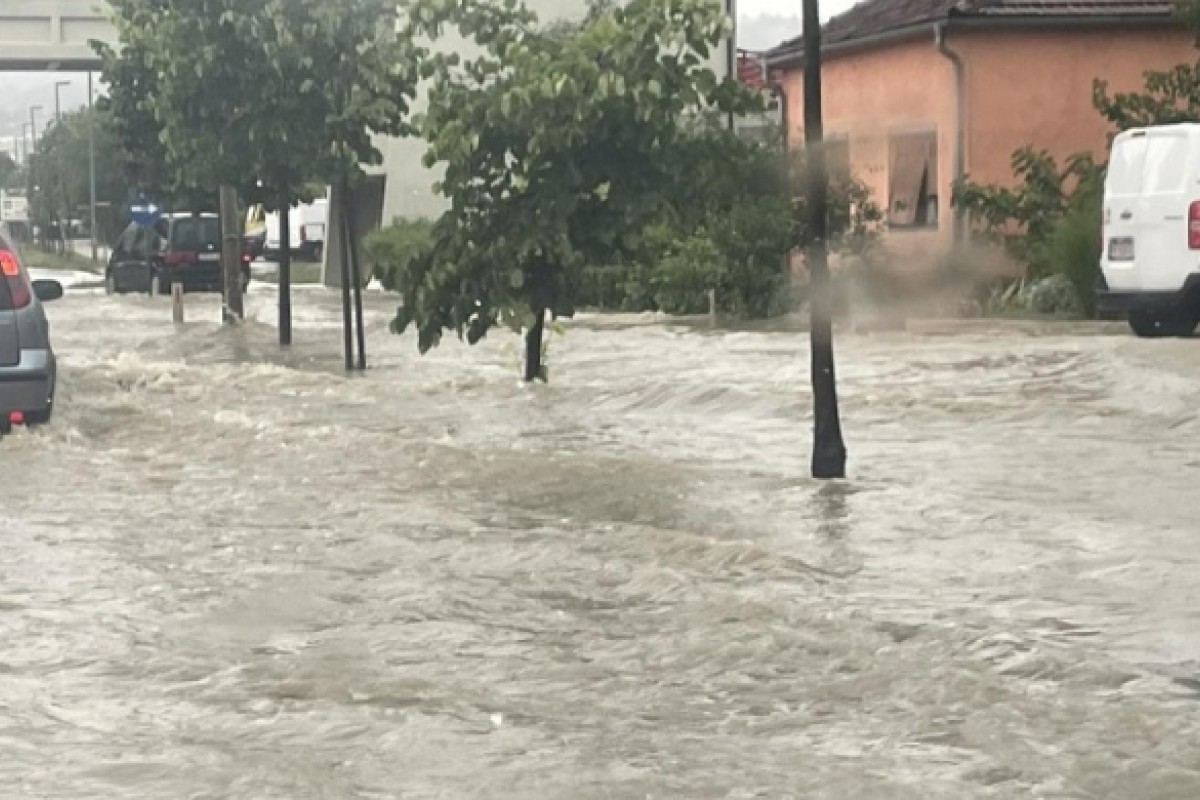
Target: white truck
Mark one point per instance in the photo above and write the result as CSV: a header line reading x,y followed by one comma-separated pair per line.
x,y
1151,229
307,226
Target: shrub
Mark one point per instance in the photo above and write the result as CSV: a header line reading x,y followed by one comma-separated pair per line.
x,y
388,251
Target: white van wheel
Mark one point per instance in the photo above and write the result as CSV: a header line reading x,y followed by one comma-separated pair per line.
x,y
1176,322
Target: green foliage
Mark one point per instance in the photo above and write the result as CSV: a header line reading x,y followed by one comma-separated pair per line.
x,y
1073,248
1023,217
271,96
1050,220
731,227
390,251
1167,96
558,150
60,177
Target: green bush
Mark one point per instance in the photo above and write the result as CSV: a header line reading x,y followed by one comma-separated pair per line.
x,y
686,273
1073,248
388,251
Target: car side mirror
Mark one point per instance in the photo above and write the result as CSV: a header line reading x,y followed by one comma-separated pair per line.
x,y
46,290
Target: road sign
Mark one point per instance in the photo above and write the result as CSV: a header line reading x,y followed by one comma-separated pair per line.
x,y
145,212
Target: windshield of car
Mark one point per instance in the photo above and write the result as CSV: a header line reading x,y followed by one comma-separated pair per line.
x,y
197,233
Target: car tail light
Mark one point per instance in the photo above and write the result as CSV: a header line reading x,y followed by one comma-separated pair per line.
x,y
1194,226
174,257
18,284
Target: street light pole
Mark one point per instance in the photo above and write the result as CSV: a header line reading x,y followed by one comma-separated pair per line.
x,y
92,167
829,450
33,127
64,223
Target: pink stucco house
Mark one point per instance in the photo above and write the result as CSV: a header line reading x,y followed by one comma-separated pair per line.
x,y
917,92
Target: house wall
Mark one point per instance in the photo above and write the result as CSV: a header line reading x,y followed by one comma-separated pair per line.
x,y
868,97
1035,88
1022,87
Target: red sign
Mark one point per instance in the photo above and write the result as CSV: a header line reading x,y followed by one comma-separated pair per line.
x,y
752,69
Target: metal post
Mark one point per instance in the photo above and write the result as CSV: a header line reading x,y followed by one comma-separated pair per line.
x,y
829,450
92,167
33,127
231,254
344,252
356,276
732,55
65,223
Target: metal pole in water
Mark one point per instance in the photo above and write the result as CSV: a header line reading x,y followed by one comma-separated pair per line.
x,y
92,166
177,303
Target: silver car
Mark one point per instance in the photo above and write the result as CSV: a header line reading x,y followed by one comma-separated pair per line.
x,y
27,367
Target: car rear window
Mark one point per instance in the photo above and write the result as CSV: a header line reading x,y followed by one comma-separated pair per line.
x,y
1126,166
197,233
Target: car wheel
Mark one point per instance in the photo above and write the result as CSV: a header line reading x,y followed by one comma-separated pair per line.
x,y
34,419
110,284
1147,325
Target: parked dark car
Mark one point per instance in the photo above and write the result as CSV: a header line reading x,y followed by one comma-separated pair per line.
x,y
182,249
28,373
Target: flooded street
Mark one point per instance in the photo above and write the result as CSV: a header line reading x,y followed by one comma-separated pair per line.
x,y
231,574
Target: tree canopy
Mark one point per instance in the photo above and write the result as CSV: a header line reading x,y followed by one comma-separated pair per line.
x,y
269,96
557,147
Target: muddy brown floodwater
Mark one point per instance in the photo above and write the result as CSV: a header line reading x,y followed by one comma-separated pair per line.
x,y
230,574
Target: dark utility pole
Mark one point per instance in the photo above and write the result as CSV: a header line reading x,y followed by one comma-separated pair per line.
x,y
829,451
285,273
231,255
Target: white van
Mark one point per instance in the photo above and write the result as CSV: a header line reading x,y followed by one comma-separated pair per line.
x,y
307,225
1151,241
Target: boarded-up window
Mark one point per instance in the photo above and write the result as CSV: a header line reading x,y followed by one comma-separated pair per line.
x,y
913,180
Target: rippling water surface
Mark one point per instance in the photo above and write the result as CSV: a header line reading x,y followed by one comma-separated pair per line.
x,y
232,574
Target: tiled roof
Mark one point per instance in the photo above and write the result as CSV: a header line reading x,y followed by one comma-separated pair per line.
x,y
873,18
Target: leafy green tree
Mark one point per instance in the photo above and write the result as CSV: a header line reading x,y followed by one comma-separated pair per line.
x,y
557,149
1167,96
273,97
59,178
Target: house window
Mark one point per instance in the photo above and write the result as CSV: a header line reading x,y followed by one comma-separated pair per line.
x,y
913,180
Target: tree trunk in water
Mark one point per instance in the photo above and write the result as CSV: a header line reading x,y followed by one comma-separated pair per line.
x,y
231,255
533,346
829,451
285,274
360,335
344,253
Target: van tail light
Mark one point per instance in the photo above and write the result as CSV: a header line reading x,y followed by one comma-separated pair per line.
x,y
1194,226
176,257
18,284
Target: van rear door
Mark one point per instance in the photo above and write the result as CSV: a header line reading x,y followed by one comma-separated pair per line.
x,y
1164,259
1122,211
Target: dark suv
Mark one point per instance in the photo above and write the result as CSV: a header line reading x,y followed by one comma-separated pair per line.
x,y
180,249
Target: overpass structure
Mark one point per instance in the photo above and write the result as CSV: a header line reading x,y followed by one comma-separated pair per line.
x,y
40,35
